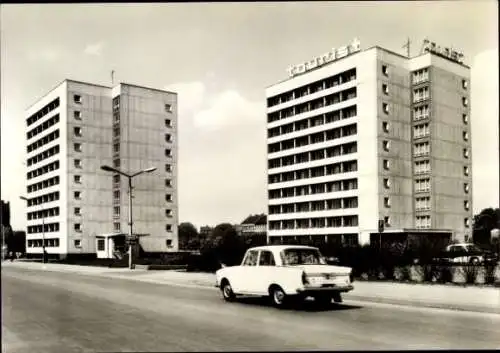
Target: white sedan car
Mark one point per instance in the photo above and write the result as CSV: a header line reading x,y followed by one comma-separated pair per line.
x,y
283,272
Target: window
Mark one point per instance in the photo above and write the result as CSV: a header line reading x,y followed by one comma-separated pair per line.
x,y
465,101
466,222
77,147
77,179
78,211
116,210
116,226
168,137
421,112
387,221
464,84
168,168
465,135
77,115
422,167
385,107
168,213
78,163
168,152
387,202
168,197
465,118
77,131
466,205
116,147
385,126
385,88
77,195
387,183
116,195
466,153
168,123
466,188
422,203
386,164
168,108
466,170
101,245
422,185
421,130
422,149
385,70
386,145
169,243
423,222
77,98
420,76
78,243
116,163
78,227
420,94
266,258
168,227
168,182
251,258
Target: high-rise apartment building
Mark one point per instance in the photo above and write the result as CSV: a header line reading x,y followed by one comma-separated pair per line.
x,y
74,130
357,137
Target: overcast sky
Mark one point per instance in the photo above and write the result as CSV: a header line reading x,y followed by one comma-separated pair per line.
x,y
220,57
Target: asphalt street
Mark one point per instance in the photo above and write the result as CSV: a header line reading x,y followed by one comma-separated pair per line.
x,y
63,312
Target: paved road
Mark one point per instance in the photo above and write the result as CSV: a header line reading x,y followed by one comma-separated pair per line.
x,y
63,312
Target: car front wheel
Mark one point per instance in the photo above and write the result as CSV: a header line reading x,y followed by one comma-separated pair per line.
x,y
227,291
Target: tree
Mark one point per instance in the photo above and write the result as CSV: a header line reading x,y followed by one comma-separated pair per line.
x,y
484,222
225,244
188,236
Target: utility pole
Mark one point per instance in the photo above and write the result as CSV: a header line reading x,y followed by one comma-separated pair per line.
x,y
112,77
407,46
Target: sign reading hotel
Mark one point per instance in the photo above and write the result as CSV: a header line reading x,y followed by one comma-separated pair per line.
x,y
447,53
321,60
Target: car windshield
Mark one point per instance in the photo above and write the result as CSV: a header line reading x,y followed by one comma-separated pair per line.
x,y
302,257
472,248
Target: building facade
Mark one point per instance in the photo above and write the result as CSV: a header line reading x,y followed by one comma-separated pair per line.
x,y
370,136
73,131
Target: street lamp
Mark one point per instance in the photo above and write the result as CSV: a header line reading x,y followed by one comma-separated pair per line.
x,y
43,228
129,177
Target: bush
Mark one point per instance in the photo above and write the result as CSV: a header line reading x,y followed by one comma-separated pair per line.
x,y
489,275
470,273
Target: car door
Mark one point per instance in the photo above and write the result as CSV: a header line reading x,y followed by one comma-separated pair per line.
x,y
247,274
266,271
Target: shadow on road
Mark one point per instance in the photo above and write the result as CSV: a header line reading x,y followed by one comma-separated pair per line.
x,y
303,305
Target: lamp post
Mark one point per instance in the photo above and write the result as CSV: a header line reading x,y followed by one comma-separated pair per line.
x,y
130,222
43,228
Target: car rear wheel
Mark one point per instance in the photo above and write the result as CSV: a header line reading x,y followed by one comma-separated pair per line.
x,y
278,296
337,298
474,261
227,291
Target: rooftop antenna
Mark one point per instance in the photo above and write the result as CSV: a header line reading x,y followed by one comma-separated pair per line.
x,y
112,77
407,46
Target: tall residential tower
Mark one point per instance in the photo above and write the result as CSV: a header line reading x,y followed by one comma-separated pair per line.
x,y
74,130
357,137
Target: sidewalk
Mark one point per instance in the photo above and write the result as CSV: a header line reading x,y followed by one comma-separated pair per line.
x,y
478,299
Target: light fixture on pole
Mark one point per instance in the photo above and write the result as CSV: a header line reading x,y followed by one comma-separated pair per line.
x,y
43,228
130,222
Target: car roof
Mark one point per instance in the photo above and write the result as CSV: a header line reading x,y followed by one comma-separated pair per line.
x,y
281,247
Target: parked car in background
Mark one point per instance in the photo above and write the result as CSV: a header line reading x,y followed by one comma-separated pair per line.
x,y
285,272
467,253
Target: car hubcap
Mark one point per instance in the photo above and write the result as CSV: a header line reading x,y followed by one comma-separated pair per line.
x,y
227,291
278,296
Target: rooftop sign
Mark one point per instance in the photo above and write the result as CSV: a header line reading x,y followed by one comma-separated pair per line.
x,y
447,53
321,60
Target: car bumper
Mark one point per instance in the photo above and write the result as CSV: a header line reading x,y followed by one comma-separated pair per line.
x,y
334,289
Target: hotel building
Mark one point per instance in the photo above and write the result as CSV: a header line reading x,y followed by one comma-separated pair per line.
x,y
74,130
357,137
